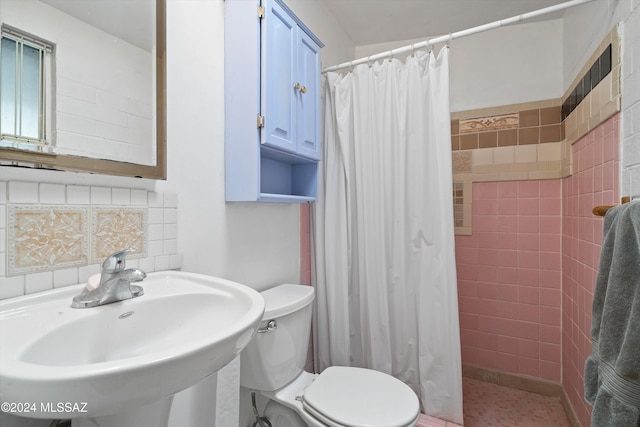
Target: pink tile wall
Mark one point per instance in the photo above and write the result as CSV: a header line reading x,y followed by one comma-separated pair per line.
x,y
509,274
594,182
305,267
305,244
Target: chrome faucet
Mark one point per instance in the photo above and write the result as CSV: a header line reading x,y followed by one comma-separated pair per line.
x,y
115,283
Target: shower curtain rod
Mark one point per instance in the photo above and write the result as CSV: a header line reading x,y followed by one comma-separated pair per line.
x,y
459,34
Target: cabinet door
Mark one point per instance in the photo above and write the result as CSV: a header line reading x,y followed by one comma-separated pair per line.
x,y
308,108
278,95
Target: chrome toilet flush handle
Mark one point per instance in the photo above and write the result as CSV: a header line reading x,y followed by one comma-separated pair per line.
x,y
272,325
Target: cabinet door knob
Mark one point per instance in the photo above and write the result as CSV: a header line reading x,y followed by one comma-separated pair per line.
x,y
296,86
304,89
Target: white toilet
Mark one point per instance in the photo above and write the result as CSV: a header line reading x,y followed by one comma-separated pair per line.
x,y
273,364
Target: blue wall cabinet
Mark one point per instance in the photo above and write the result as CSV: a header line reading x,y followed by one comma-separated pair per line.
x,y
272,104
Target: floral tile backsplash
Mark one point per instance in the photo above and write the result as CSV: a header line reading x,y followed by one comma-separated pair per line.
x,y
54,235
114,229
42,237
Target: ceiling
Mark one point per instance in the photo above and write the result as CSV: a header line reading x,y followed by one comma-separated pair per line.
x,y
130,20
365,21
380,21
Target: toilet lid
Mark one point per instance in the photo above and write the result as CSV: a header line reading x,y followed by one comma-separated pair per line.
x,y
357,397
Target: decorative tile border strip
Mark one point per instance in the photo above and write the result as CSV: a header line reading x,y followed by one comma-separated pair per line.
x,y
600,68
495,123
526,124
604,98
45,237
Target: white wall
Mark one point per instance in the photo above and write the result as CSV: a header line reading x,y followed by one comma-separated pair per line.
x,y
630,158
253,243
338,46
103,87
584,29
505,66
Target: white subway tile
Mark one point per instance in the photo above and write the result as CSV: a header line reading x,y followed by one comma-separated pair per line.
x,y
11,287
3,192
155,248
87,271
78,195
170,231
109,116
75,124
139,197
3,216
3,240
170,216
111,100
100,195
634,186
170,200
175,261
75,89
53,193
66,277
3,264
631,151
121,196
156,232
156,200
162,263
155,216
635,116
38,282
625,181
170,246
23,192
147,264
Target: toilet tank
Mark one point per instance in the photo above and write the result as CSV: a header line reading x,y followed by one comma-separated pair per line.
x,y
274,358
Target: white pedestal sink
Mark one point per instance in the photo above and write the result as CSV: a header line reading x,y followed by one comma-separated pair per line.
x,y
120,364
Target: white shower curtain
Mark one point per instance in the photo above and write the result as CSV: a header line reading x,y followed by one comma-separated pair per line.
x,y
384,237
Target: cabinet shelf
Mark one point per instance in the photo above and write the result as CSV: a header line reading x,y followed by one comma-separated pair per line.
x,y
285,198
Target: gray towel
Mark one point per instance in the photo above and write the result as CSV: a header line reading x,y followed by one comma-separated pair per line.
x,y
612,371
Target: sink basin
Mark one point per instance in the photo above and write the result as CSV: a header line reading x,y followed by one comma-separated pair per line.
x,y
125,355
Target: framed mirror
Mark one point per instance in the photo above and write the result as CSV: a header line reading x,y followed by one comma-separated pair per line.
x,y
99,97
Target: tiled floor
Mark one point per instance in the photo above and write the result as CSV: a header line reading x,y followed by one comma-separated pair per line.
x,y
491,405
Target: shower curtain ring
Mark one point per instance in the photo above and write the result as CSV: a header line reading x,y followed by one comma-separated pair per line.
x,y
449,40
390,55
369,61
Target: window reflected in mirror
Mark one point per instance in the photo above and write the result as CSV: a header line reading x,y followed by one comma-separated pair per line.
x,y
82,86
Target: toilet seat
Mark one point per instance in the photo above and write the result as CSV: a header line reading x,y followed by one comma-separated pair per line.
x,y
356,397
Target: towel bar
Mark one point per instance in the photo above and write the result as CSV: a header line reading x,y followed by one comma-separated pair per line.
x,y
602,210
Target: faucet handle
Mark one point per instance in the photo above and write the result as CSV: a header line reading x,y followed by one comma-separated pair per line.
x,y
117,261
